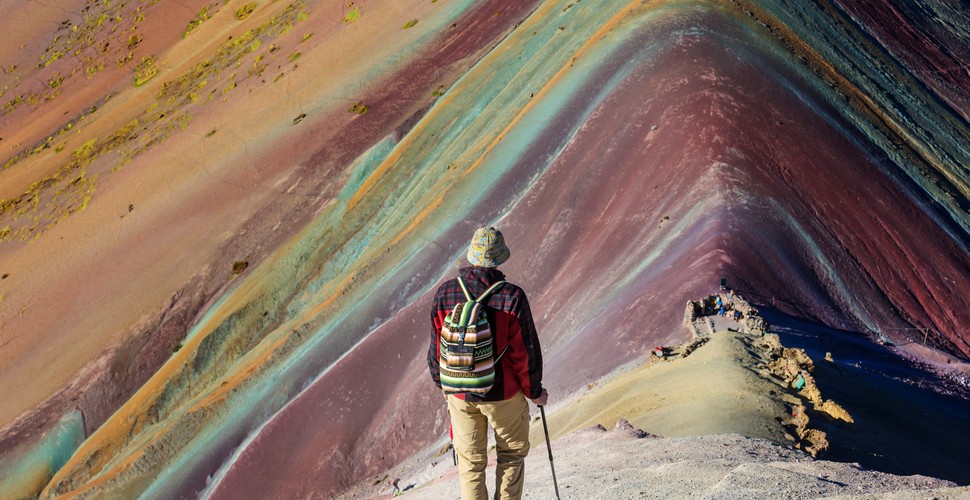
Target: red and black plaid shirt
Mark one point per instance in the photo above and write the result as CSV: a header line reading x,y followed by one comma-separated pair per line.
x,y
510,319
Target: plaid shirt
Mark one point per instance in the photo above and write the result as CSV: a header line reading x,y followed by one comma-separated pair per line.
x,y
520,368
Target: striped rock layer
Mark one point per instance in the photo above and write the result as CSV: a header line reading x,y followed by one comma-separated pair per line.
x,y
220,222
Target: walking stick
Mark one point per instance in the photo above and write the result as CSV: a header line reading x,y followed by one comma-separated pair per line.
x,y
451,434
545,428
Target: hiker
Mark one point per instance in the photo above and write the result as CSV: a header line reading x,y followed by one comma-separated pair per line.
x,y
517,370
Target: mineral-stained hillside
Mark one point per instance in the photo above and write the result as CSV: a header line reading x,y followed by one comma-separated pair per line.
x,y
220,220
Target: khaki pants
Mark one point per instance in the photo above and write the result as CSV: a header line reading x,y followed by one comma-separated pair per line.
x,y
469,421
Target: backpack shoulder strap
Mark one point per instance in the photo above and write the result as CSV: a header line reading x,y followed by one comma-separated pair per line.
x,y
468,296
484,296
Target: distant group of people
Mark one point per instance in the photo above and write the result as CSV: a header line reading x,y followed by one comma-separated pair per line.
x,y
725,308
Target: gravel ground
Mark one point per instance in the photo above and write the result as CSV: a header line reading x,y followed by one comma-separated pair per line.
x,y
724,416
595,463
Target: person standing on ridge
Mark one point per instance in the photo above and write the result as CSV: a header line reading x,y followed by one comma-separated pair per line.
x,y
517,370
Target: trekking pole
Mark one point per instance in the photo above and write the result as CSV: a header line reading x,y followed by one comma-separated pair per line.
x,y
451,434
545,428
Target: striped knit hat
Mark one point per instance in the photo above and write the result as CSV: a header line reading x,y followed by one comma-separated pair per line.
x,y
488,248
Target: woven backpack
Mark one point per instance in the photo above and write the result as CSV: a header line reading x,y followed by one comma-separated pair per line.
x,y
467,361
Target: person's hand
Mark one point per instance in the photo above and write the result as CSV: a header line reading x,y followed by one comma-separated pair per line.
x,y
542,399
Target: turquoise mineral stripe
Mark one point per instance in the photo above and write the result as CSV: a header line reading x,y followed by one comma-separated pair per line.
x,y
44,460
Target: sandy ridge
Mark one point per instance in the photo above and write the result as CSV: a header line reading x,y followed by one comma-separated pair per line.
x,y
734,425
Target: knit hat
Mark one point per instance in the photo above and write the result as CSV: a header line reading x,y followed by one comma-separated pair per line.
x,y
488,248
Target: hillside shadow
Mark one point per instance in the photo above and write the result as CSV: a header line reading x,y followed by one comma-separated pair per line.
x,y
908,420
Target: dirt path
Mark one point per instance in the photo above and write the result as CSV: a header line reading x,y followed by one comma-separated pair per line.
x,y
724,406
708,391
595,463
